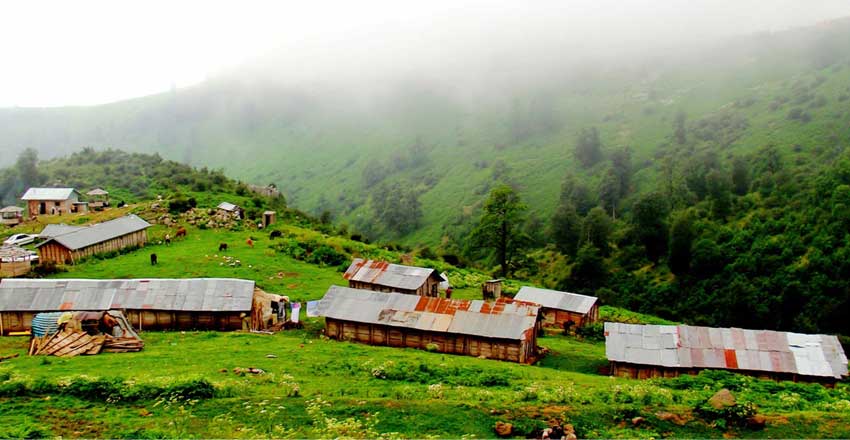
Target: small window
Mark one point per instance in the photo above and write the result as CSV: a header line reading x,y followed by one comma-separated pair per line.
x,y
58,203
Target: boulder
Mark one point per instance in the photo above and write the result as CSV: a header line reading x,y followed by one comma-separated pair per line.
x,y
637,421
504,429
722,399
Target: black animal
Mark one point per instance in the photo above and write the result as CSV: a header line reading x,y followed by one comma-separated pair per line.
x,y
121,204
275,234
153,260
222,247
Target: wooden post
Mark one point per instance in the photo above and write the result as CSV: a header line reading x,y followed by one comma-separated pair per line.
x,y
1,324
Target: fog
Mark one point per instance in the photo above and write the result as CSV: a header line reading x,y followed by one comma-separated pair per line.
x,y
90,52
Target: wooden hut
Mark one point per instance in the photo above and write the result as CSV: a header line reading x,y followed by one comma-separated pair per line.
x,y
505,330
149,304
562,309
269,217
49,201
491,289
648,351
381,276
113,235
14,261
98,199
11,216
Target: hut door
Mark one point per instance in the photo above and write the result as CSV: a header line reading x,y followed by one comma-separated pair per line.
x,y
42,208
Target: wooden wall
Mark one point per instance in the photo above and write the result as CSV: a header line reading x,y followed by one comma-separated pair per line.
x,y
635,371
14,269
54,252
375,334
15,322
557,318
166,320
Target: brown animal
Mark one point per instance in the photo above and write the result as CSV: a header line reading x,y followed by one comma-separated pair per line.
x,y
249,242
181,232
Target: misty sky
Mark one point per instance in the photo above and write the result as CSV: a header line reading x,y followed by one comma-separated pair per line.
x,y
87,52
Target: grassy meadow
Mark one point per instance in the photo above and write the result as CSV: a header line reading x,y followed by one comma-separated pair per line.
x,y
183,384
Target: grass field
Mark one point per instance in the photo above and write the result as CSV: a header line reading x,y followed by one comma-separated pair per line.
x,y
183,384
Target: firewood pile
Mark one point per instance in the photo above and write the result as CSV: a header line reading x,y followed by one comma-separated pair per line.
x,y
69,339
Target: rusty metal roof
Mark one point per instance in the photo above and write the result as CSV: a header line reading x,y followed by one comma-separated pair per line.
x,y
10,254
553,299
12,209
194,294
49,194
504,319
97,192
725,348
390,275
98,233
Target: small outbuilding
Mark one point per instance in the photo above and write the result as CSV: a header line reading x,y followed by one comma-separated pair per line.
x,y
504,330
562,309
648,351
229,209
11,215
382,276
14,261
148,304
110,236
269,217
98,199
50,201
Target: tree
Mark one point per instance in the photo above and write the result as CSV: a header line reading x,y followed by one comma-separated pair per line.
x,y
679,130
501,227
740,176
27,168
649,215
621,164
609,191
588,147
577,194
681,240
397,207
588,273
719,190
566,228
596,230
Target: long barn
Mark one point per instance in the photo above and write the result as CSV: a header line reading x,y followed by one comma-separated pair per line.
x,y
504,330
647,351
69,244
381,276
149,304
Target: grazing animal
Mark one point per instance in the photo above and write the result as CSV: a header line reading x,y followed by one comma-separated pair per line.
x,y
153,260
181,232
275,234
249,242
222,247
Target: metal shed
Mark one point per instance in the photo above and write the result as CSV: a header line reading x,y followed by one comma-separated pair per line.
x,y
644,351
562,308
149,304
503,330
382,276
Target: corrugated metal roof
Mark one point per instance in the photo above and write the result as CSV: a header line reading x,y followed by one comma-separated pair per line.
x,y
14,253
97,192
56,230
48,194
227,206
553,299
504,319
12,209
733,348
100,232
390,275
196,294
